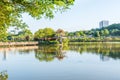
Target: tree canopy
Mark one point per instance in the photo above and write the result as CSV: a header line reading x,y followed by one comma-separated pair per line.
x,y
109,33
44,33
11,11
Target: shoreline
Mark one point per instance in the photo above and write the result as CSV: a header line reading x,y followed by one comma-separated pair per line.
x,y
9,44
93,43
18,43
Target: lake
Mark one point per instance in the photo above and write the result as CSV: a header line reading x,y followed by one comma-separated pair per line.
x,y
99,61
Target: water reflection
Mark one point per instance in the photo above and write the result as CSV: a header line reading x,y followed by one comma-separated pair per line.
x,y
15,50
49,53
26,56
105,50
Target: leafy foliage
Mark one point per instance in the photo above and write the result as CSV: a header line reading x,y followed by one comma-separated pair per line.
x,y
44,33
109,33
3,76
24,35
11,11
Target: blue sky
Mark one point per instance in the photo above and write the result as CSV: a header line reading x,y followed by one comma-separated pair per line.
x,y
83,15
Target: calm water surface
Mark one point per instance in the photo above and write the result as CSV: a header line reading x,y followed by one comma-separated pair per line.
x,y
73,62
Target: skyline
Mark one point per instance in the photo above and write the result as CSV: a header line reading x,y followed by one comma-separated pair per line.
x,y
83,15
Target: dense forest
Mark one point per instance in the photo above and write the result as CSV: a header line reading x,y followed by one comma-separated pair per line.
x,y
109,33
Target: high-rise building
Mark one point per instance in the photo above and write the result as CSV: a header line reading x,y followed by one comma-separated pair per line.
x,y
103,23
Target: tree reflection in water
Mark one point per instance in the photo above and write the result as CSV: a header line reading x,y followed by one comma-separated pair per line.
x,y
49,53
3,75
105,50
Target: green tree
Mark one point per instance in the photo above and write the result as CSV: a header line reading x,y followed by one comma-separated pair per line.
x,y
115,32
102,33
49,32
39,34
106,32
44,33
97,34
11,11
3,34
77,34
71,34
81,33
25,34
113,26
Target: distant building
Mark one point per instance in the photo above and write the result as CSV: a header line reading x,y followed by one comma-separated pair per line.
x,y
103,23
